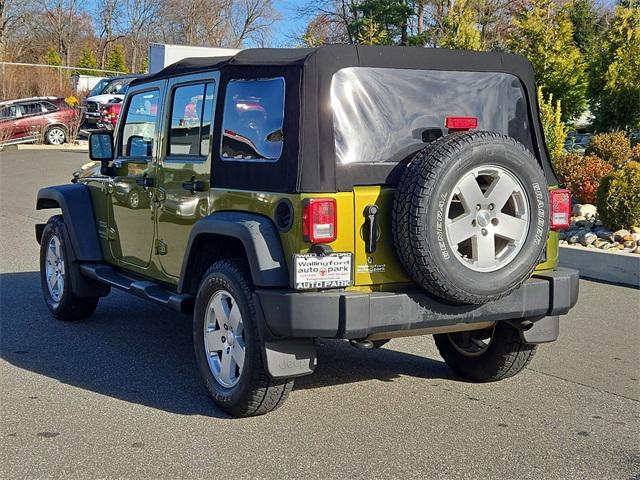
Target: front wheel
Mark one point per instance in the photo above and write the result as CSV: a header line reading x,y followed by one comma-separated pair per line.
x,y
485,355
228,346
55,276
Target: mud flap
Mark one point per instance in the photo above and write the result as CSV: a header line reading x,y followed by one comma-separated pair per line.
x,y
544,330
284,357
290,358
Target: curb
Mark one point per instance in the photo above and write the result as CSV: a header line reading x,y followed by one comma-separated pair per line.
x,y
622,268
65,147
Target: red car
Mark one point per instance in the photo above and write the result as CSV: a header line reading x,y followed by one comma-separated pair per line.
x,y
26,119
109,114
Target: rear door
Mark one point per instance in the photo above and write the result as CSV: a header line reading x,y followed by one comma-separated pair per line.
x,y
184,165
375,259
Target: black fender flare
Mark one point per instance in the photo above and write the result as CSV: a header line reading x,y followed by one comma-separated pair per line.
x,y
74,200
260,239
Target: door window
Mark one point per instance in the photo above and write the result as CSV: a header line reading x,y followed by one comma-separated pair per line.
x,y
191,112
48,107
8,112
31,108
139,125
253,120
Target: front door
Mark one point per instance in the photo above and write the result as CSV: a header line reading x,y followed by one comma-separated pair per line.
x,y
132,225
184,166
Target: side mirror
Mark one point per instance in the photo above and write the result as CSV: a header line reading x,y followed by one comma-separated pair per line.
x,y
101,148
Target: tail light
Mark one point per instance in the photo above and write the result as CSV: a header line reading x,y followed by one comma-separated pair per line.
x,y
560,200
319,224
460,124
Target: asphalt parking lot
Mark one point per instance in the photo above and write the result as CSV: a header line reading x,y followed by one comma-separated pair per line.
x,y
118,396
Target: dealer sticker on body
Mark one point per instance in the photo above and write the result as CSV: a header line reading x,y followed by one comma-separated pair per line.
x,y
326,271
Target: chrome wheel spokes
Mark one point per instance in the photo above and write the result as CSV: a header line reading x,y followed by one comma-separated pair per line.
x,y
54,268
487,218
224,340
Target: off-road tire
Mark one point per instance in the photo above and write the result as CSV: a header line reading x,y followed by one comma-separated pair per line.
x,y
506,356
70,307
432,174
256,393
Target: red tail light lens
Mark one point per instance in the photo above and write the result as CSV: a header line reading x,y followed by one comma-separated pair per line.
x,y
319,224
560,201
460,124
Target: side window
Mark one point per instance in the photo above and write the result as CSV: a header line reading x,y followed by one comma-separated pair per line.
x,y
207,118
8,112
48,107
31,108
139,125
191,112
253,120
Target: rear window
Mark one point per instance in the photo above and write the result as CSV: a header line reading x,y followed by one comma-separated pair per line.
x,y
384,115
252,120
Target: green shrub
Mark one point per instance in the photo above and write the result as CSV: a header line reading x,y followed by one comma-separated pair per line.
x,y
618,197
635,153
554,129
614,148
581,174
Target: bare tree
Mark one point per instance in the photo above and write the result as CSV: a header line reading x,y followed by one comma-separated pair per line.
x,y
61,23
140,18
108,22
14,14
251,20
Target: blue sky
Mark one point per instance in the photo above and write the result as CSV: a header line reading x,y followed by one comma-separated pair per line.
x,y
291,22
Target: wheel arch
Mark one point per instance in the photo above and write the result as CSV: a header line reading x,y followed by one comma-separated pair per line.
x,y
234,235
77,210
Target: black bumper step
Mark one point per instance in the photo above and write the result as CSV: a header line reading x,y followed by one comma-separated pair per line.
x,y
148,290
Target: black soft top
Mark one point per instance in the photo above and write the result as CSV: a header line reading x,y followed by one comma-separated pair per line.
x,y
317,170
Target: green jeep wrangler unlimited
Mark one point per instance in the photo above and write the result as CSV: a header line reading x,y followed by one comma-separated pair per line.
x,y
349,192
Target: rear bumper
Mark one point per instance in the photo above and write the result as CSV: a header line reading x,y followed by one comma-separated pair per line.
x,y
339,314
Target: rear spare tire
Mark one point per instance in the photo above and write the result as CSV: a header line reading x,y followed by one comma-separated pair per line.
x,y
470,217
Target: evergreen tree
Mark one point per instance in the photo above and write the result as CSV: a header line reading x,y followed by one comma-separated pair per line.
x,y
371,33
460,30
87,62
390,16
545,37
615,74
115,59
554,129
52,57
584,17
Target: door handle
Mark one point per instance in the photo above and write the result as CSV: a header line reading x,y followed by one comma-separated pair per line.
x,y
371,229
146,182
194,186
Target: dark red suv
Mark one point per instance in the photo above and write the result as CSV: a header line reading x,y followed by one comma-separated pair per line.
x,y
27,119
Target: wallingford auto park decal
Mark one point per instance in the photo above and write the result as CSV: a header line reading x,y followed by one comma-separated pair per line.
x,y
326,271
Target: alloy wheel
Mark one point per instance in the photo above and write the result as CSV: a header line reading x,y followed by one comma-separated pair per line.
x,y
54,269
224,340
473,343
487,218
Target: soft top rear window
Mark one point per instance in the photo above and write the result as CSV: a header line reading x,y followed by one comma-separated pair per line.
x,y
384,115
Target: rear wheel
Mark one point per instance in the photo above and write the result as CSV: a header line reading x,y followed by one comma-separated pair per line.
x,y
485,355
228,346
55,276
